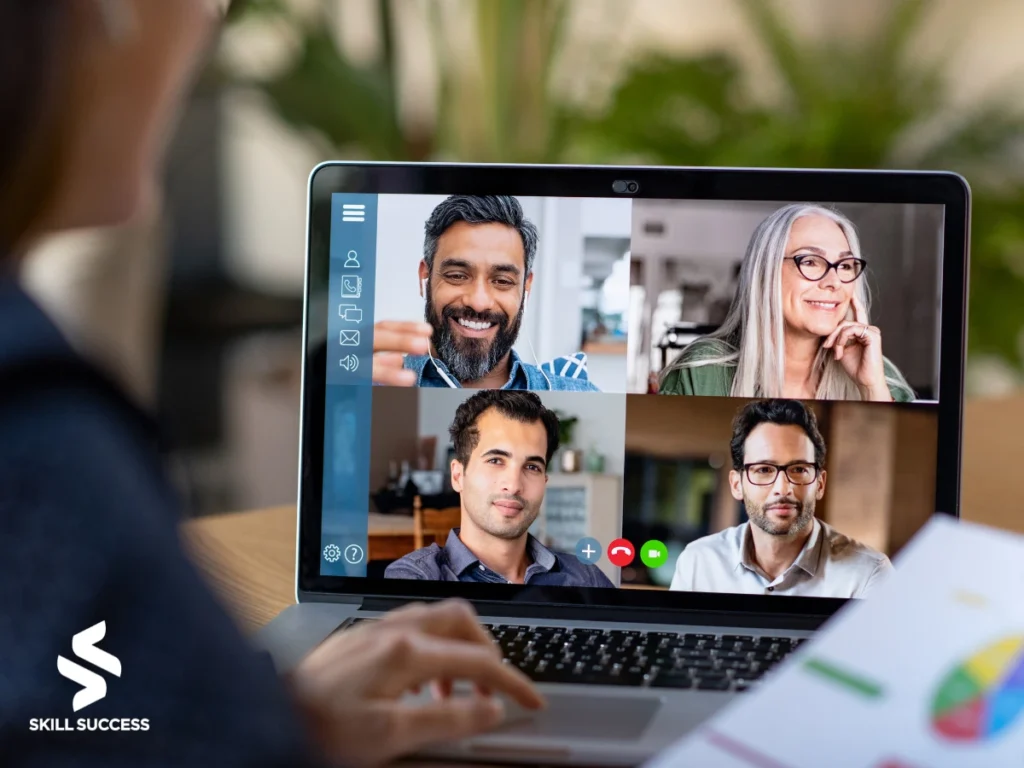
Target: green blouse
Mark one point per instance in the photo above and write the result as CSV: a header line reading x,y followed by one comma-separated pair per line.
x,y
716,380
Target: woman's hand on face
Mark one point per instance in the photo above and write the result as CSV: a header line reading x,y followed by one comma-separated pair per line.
x,y
858,346
350,688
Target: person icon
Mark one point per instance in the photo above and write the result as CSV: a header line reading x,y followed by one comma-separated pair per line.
x,y
352,260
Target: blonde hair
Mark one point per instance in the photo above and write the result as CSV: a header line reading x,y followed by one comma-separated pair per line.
x,y
752,337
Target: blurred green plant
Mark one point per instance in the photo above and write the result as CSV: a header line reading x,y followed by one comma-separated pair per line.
x,y
566,428
493,105
841,102
831,101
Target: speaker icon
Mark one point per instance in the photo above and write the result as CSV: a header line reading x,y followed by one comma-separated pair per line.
x,y
350,363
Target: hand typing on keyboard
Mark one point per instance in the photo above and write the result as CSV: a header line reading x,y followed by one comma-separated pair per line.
x,y
351,687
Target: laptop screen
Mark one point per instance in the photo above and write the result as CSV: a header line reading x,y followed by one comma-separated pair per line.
x,y
682,395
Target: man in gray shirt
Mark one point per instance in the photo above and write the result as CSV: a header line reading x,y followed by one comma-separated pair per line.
x,y
504,440
778,458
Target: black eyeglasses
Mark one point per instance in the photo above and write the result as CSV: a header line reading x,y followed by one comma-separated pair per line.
x,y
816,267
798,472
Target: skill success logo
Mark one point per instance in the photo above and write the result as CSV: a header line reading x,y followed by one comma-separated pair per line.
x,y
93,686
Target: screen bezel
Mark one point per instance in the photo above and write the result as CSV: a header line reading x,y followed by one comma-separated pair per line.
x,y
782,185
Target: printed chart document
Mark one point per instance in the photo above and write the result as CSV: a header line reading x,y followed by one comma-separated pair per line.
x,y
926,673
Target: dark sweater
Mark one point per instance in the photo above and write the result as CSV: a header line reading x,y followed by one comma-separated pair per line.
x,y
88,534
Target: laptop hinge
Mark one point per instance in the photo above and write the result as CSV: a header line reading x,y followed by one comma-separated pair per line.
x,y
604,614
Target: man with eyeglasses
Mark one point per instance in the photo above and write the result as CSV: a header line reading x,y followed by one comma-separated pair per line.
x,y
778,460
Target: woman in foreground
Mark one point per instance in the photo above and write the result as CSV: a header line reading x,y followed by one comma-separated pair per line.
x,y
798,327
89,90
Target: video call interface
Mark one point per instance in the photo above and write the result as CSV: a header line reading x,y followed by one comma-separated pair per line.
x,y
680,395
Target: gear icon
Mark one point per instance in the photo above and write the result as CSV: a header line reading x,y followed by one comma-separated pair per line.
x,y
332,553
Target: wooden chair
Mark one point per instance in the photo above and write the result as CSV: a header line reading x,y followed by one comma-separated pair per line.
x,y
431,525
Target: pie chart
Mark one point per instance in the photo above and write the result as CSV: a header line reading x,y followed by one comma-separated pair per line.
x,y
983,695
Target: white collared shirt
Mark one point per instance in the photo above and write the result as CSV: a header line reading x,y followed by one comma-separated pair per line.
x,y
829,565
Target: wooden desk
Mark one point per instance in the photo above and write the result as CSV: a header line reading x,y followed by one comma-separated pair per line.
x,y
249,560
249,557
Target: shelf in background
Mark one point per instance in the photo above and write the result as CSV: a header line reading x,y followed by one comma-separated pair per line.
x,y
605,348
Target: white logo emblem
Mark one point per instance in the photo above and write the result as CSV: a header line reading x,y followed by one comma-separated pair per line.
x,y
94,687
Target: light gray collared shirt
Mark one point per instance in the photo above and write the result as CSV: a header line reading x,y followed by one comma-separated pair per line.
x,y
829,565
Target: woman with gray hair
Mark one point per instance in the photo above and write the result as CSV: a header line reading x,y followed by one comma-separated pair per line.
x,y
798,326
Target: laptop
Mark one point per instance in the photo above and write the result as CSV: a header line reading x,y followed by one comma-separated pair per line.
x,y
670,420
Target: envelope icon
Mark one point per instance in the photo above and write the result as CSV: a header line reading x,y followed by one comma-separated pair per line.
x,y
350,338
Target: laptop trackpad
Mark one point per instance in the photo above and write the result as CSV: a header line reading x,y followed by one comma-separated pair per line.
x,y
584,716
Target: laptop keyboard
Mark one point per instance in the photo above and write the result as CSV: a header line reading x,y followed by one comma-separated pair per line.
x,y
640,659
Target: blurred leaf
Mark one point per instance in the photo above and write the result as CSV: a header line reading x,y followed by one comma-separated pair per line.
x,y
977,140
499,107
997,276
237,9
671,111
791,61
347,104
495,108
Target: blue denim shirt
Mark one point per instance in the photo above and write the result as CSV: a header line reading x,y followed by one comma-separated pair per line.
x,y
455,562
521,375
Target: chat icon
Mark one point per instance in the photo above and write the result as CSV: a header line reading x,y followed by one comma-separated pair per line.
x,y
350,313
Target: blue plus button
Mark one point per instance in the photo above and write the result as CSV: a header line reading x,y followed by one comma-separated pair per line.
x,y
588,550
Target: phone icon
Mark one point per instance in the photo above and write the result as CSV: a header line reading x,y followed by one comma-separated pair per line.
x,y
351,287
621,552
